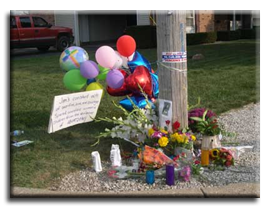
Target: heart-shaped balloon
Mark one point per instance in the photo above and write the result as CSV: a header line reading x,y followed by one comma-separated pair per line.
x,y
122,91
142,77
138,60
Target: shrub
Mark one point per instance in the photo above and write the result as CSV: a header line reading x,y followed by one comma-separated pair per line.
x,y
199,38
228,35
250,33
145,35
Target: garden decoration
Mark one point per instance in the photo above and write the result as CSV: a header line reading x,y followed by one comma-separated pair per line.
x,y
123,70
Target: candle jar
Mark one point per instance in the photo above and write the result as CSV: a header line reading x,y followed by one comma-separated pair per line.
x,y
170,174
150,177
206,143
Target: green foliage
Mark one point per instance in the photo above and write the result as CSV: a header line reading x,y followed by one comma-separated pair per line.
x,y
250,33
228,35
200,38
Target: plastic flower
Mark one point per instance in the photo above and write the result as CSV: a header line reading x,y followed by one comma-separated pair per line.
x,y
193,137
163,141
214,153
151,132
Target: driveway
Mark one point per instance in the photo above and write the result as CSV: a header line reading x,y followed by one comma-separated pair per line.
x,y
33,52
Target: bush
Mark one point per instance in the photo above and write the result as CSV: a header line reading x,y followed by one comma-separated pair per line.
x,y
199,38
250,33
145,35
228,35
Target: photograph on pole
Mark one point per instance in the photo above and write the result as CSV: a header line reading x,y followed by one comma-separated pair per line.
x,y
135,104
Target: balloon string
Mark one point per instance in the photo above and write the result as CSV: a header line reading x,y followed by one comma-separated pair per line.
x,y
172,68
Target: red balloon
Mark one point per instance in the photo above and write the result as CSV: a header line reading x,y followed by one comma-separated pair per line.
x,y
126,45
142,77
123,72
122,91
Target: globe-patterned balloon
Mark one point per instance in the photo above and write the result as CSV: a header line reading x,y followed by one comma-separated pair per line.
x,y
72,57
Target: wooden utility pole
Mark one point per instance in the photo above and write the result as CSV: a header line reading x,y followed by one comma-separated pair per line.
x,y
171,37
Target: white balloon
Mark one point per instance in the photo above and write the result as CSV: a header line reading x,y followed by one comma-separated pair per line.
x,y
119,61
131,57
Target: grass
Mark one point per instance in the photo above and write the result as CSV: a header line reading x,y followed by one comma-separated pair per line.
x,y
227,78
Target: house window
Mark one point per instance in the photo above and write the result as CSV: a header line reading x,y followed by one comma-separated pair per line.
x,y
190,21
25,21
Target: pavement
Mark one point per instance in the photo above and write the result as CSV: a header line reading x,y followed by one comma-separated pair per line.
x,y
239,190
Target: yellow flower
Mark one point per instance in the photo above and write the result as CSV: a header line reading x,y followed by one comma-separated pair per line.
x,y
180,138
174,137
214,153
163,131
150,132
163,141
185,137
193,137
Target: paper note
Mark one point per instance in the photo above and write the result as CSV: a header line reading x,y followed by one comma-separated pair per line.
x,y
165,112
71,109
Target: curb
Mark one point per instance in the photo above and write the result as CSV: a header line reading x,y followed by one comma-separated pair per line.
x,y
240,190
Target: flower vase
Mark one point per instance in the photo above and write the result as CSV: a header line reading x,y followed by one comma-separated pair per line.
x,y
150,177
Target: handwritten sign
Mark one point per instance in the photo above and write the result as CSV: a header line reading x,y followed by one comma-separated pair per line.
x,y
71,109
174,57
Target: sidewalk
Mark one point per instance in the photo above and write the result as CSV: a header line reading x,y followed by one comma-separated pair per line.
x,y
241,190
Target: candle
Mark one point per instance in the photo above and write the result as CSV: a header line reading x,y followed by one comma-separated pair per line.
x,y
170,174
150,177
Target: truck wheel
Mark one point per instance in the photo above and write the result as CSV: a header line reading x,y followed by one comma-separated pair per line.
x,y
63,43
43,48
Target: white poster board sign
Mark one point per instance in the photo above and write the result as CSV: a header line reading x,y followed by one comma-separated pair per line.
x,y
165,112
71,109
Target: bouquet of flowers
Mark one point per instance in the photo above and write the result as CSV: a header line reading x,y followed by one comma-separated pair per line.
x,y
222,157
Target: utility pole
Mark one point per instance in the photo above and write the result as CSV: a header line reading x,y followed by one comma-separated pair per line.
x,y
172,62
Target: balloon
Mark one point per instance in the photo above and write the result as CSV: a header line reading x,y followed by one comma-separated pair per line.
x,y
138,60
119,61
137,100
122,91
89,69
89,81
126,45
72,57
106,57
142,77
155,85
73,80
95,86
115,79
102,72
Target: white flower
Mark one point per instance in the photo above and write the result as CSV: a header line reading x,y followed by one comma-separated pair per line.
x,y
113,134
120,119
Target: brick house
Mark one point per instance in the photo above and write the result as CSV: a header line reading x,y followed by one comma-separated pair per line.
x,y
101,26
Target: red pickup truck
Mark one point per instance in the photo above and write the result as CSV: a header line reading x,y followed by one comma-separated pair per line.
x,y
30,31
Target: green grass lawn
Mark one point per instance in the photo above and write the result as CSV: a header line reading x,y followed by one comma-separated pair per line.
x,y
228,77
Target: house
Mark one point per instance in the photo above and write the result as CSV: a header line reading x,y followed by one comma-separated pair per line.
x,y
106,26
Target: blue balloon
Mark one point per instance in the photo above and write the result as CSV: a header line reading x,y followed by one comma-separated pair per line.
x,y
89,81
155,85
137,100
138,60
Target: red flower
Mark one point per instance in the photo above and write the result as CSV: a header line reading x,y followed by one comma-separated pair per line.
x,y
228,163
229,157
197,162
176,125
168,122
214,127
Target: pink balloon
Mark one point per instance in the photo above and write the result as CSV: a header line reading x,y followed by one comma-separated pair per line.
x,y
106,57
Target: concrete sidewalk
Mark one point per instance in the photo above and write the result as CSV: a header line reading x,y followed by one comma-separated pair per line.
x,y
241,190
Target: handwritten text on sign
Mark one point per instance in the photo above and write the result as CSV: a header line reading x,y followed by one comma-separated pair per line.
x,y
174,57
72,109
